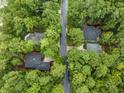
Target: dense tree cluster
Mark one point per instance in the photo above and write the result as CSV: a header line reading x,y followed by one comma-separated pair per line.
x,y
96,73
91,72
21,17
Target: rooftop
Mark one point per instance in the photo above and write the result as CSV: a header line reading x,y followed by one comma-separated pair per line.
x,y
91,33
94,47
34,60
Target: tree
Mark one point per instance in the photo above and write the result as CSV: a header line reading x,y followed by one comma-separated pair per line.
x,y
14,82
103,70
95,73
75,37
19,19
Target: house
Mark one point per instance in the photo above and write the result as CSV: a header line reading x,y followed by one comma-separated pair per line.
x,y
35,60
91,36
91,33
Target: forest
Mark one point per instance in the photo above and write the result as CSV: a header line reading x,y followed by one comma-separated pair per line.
x,y
30,32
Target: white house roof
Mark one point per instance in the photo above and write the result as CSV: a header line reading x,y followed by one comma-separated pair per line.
x,y
94,47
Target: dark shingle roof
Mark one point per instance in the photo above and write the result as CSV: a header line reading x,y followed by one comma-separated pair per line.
x,y
44,66
35,60
91,33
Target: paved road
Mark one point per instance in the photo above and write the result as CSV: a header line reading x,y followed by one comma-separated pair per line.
x,y
66,82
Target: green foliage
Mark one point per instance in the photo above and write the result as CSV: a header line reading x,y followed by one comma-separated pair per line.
x,y
83,89
86,70
58,89
35,88
58,70
105,12
19,19
29,14
3,67
44,82
101,73
50,14
95,73
120,66
89,72
15,61
90,82
16,45
75,37
13,83
49,44
33,81
106,37
75,14
24,18
78,78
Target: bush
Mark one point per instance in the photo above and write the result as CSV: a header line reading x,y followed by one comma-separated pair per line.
x,y
95,73
75,37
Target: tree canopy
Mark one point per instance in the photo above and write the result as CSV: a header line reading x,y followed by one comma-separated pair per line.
x,y
89,72
92,72
21,17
